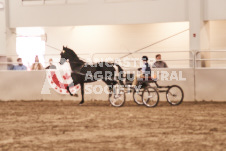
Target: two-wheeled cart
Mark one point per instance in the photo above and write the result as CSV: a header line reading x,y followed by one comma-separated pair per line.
x,y
144,93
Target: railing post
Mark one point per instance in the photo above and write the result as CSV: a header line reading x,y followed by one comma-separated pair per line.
x,y
193,52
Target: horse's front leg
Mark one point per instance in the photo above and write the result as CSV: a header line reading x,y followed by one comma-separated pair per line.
x,y
68,89
82,92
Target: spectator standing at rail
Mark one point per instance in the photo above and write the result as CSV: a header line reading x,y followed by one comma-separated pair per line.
x,y
37,65
20,65
159,63
145,71
51,65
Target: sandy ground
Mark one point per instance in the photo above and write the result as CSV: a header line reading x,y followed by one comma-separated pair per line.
x,y
98,126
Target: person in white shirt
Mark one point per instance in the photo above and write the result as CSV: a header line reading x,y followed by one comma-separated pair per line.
x,y
145,71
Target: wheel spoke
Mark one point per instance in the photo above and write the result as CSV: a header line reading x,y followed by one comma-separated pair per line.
x,y
117,97
150,97
137,96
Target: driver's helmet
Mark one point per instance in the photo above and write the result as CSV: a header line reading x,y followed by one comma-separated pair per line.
x,y
145,58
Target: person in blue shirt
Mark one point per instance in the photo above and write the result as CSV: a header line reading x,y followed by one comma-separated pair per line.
x,y
145,71
20,65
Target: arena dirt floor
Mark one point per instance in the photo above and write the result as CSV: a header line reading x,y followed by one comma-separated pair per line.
x,y
66,126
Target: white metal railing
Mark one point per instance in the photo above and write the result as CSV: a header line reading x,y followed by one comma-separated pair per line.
x,y
92,58
120,55
193,59
210,60
46,2
83,56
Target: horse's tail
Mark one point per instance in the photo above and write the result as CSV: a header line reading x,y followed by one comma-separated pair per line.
x,y
119,73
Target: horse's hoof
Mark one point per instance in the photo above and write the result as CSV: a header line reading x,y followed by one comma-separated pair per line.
x,y
81,103
76,95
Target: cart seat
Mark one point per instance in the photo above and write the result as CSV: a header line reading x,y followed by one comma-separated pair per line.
x,y
130,77
148,79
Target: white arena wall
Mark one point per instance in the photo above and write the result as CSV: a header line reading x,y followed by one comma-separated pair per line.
x,y
97,12
215,10
28,85
107,12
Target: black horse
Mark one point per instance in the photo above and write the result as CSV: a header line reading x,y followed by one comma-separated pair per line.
x,y
81,72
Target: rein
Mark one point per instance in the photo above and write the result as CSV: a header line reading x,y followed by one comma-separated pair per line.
x,y
74,62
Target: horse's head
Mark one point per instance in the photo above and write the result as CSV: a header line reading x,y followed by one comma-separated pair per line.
x,y
64,55
68,54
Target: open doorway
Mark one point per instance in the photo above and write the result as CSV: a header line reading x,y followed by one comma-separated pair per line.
x,y
29,43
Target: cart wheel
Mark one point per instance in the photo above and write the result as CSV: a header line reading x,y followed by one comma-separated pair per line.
x,y
117,96
150,97
137,96
175,95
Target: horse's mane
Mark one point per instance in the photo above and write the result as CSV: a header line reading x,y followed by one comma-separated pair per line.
x,y
73,54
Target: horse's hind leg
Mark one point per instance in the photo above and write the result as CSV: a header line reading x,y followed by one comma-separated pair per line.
x,y
110,83
82,92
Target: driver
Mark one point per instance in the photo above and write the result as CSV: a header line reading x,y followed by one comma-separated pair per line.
x,y
145,71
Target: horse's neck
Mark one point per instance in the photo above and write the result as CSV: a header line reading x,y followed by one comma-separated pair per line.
x,y
76,64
